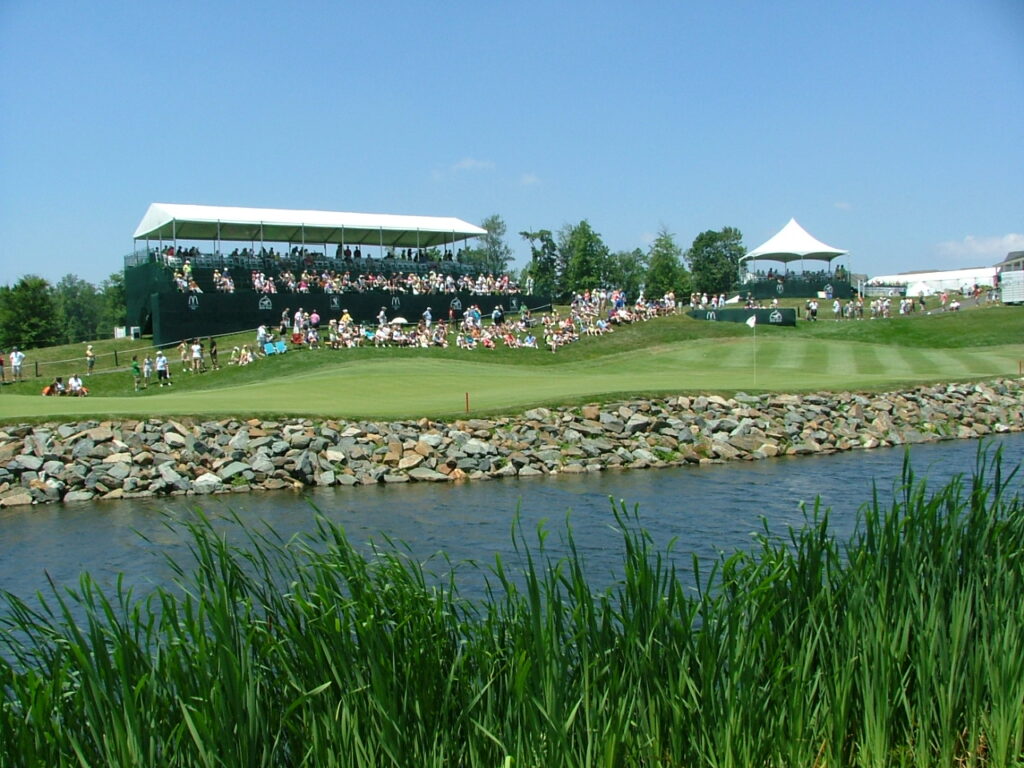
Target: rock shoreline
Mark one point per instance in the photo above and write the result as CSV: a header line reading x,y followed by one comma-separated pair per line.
x,y
80,461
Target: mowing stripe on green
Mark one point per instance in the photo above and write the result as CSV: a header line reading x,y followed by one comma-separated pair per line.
x,y
866,359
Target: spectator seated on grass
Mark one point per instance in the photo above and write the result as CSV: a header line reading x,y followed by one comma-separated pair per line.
x,y
55,388
76,388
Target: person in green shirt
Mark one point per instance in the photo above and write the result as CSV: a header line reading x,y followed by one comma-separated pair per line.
x,y
136,371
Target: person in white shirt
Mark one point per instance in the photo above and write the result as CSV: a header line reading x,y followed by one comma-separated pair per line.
x,y
76,388
17,358
163,369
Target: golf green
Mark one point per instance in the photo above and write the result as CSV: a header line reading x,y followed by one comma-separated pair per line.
x,y
411,387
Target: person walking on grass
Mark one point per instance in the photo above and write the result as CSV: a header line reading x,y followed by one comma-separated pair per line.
x,y
197,356
136,372
163,369
147,371
213,354
183,350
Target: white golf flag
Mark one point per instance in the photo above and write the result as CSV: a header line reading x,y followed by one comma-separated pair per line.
x,y
752,321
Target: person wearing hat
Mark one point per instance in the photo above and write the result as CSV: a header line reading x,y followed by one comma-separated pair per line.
x,y
90,360
427,317
163,369
17,358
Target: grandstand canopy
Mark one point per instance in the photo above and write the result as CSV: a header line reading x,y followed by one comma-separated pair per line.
x,y
170,222
793,243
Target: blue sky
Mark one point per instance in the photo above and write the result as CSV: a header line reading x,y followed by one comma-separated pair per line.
x,y
892,129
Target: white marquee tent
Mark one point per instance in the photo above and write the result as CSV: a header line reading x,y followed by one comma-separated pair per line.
x,y
928,283
793,243
168,222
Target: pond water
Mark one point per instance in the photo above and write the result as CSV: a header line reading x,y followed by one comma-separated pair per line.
x,y
705,510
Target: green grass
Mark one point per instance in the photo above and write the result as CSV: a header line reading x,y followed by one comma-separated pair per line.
x,y
668,355
902,646
66,359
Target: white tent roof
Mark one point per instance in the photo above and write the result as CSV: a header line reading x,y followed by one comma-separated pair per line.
x,y
793,243
170,221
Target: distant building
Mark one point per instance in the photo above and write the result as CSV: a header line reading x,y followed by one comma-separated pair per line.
x,y
1014,262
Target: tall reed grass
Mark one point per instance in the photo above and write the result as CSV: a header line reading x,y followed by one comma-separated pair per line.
x,y
901,646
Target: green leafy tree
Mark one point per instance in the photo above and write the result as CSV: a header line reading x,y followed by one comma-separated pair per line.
x,y
113,305
492,253
78,308
544,267
627,270
714,260
585,257
665,269
28,314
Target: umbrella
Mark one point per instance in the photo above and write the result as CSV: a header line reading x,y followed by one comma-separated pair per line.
x,y
398,321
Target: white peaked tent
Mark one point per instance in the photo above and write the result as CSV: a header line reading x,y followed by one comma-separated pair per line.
x,y
793,243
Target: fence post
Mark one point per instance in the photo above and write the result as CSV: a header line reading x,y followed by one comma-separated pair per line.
x,y
115,358
37,368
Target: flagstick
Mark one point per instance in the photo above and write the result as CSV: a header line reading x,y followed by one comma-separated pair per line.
x,y
752,322
755,356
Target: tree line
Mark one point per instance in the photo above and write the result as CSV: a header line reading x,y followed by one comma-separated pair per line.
x,y
36,313
575,259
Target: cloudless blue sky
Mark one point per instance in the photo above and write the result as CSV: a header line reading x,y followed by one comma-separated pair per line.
x,y
892,129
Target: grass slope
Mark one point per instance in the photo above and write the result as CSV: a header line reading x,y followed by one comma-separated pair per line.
x,y
669,355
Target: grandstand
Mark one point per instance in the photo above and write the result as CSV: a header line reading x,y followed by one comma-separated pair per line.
x,y
182,280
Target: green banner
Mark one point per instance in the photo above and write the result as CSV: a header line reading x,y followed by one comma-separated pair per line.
x,y
764,316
